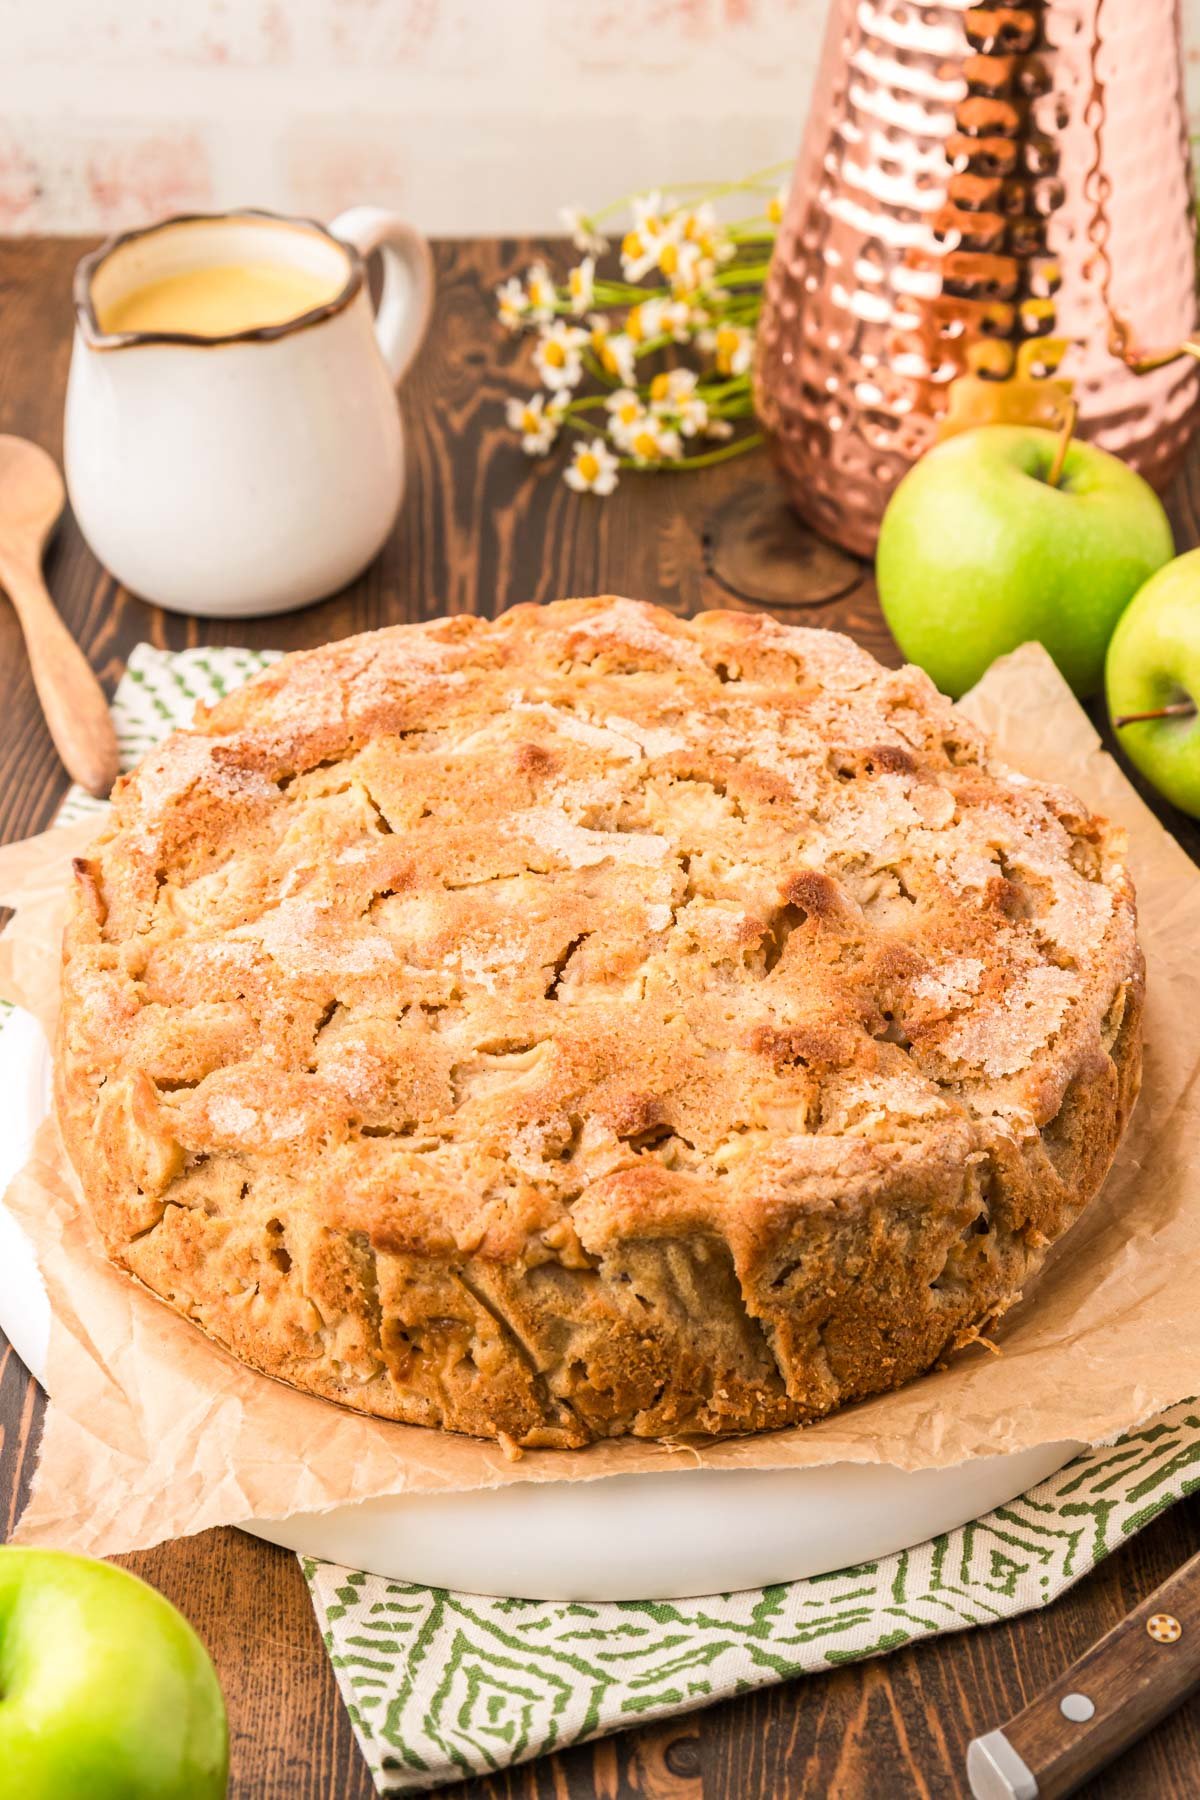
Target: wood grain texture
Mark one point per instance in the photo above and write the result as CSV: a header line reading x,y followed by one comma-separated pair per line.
x,y
480,529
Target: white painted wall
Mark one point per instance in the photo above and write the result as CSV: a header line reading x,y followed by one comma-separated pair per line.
x,y
470,115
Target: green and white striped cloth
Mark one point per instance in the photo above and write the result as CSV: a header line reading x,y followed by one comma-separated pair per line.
x,y
440,1685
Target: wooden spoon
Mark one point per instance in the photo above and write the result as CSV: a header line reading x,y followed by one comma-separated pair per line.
x,y
76,712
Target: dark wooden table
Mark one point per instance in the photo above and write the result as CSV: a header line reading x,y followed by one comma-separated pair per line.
x,y
480,529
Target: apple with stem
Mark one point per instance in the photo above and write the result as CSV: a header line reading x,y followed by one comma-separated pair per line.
x,y
1152,680
106,1692
1006,533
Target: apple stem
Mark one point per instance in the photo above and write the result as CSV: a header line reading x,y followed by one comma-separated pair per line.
x,y
1179,709
1070,415
1146,361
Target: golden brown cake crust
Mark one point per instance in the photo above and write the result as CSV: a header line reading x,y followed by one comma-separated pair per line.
x,y
593,1023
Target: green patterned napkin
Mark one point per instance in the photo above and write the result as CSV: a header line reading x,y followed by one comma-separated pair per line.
x,y
440,1685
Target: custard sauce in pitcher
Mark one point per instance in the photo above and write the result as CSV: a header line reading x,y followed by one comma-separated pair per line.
x,y
220,300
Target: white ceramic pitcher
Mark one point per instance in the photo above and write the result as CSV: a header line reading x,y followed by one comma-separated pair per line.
x,y
254,472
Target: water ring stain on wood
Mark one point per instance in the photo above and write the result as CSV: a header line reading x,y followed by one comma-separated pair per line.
x,y
760,550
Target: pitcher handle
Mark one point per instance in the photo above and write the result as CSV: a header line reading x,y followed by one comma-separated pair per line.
x,y
407,297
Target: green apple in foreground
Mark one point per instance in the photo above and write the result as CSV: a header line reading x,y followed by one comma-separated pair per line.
x,y
106,1692
978,553
1154,667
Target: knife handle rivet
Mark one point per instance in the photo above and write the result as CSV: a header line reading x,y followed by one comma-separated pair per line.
x,y
1077,1707
1164,1628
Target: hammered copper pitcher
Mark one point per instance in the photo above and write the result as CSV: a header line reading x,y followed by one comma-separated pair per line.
x,y
986,194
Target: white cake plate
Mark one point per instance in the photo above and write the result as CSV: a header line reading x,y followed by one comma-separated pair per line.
x,y
622,1537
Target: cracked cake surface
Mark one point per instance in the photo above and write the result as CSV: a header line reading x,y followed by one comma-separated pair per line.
x,y
593,1022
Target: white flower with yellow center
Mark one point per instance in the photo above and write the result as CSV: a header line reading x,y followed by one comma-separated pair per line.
x,y
673,396
593,469
617,356
582,230
692,416
673,385
655,214
581,285
638,255
543,295
733,348
644,321
653,442
512,303
685,265
556,358
625,415
679,319
718,428
702,227
536,421
656,222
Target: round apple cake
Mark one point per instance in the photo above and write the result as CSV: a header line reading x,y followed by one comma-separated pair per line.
x,y
591,1022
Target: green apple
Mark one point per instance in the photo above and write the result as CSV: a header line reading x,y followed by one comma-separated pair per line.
x,y
1154,667
978,553
106,1692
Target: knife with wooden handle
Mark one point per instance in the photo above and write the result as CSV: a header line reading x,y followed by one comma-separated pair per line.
x,y
1117,1690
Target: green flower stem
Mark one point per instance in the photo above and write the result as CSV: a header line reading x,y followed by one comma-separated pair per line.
x,y
649,346
681,465
626,293
739,314
595,368
739,273
616,295
700,189
738,448
585,428
760,178
735,385
583,403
